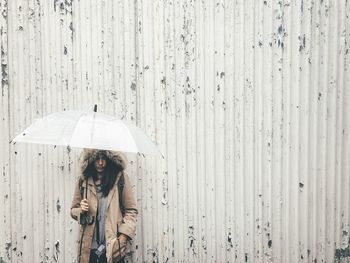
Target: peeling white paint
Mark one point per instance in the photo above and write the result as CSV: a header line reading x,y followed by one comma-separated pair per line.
x,y
247,100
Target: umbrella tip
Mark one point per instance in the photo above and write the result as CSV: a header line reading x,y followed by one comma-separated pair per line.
x,y
95,108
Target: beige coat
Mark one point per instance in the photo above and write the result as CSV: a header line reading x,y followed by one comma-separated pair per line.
x,y
114,219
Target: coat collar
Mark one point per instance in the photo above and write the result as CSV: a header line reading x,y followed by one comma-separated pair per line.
x,y
92,185
113,190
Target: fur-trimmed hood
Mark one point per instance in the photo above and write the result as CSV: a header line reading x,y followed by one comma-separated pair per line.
x,y
88,156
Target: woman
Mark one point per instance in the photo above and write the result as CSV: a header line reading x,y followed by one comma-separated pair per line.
x,y
105,207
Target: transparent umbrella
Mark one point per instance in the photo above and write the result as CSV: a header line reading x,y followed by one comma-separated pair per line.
x,y
93,130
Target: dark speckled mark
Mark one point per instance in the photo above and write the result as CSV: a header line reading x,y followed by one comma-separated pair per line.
x,y
229,238
72,30
246,257
341,253
280,29
8,246
58,205
301,185
163,80
269,243
4,69
319,95
55,3
302,6
57,250
191,239
4,12
303,43
62,8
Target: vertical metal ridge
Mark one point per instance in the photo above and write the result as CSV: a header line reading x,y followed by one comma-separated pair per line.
x,y
191,230
339,228
180,115
5,213
219,129
266,130
332,58
200,122
305,184
209,91
29,237
322,137
139,53
238,114
344,170
276,145
15,197
258,136
294,130
312,144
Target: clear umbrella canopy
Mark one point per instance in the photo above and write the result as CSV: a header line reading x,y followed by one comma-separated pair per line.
x,y
88,130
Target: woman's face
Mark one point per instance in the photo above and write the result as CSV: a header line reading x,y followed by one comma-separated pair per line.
x,y
100,163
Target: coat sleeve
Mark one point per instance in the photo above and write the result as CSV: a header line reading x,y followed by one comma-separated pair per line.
x,y
128,226
75,209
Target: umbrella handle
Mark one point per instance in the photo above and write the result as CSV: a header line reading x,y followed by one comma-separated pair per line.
x,y
86,186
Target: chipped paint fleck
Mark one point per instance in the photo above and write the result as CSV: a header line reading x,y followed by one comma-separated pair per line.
x,y
342,253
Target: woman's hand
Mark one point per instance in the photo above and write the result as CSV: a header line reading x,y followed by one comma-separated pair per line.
x,y
122,238
84,205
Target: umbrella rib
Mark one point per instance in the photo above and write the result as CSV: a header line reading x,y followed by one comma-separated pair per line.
x,y
133,141
75,127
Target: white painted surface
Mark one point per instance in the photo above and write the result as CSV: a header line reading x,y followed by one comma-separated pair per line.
x,y
247,100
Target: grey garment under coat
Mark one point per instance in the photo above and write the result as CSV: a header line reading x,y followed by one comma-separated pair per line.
x,y
99,236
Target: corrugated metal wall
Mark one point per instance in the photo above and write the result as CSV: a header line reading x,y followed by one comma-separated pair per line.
x,y
249,102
